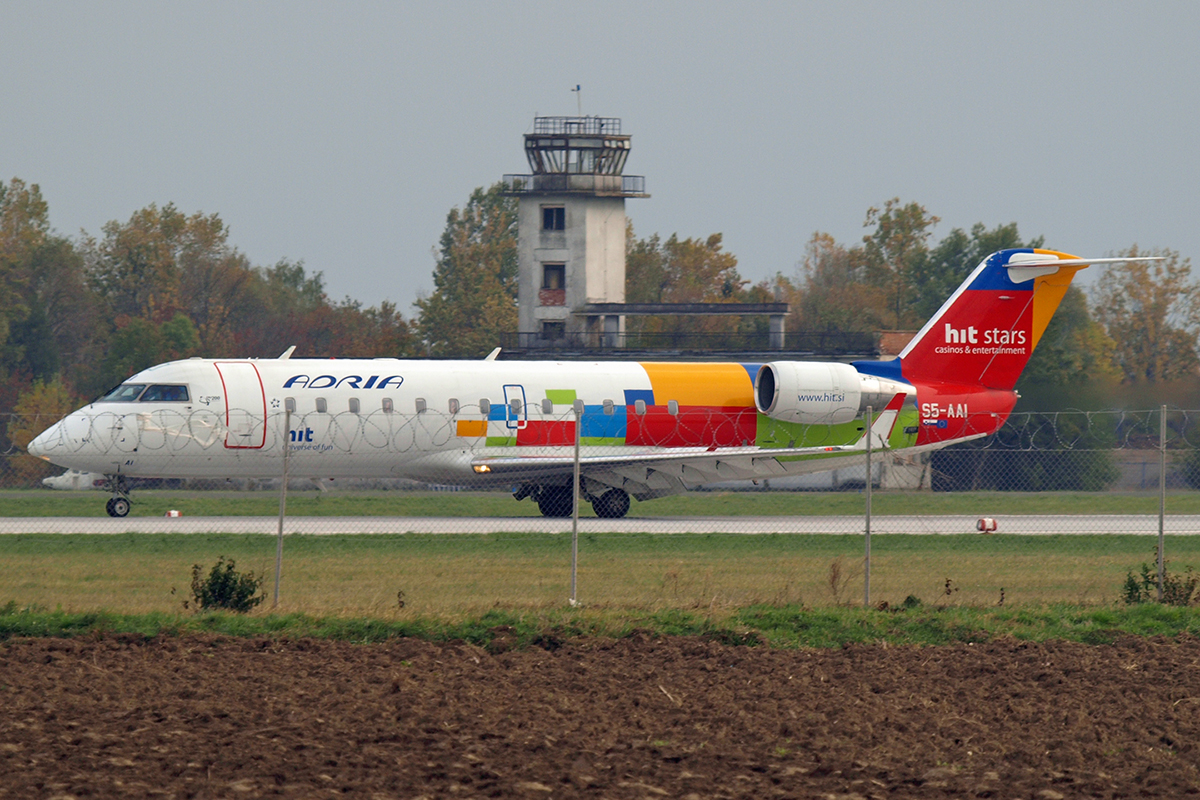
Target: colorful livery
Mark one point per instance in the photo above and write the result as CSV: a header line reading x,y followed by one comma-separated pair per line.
x,y
645,429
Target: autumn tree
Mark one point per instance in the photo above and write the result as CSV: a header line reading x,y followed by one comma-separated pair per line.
x,y
687,271
1151,309
133,267
475,278
162,262
680,270
37,408
834,292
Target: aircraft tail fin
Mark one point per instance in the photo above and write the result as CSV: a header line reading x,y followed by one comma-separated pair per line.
x,y
986,332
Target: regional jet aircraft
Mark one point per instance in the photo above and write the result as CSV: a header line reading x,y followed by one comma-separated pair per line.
x,y
645,430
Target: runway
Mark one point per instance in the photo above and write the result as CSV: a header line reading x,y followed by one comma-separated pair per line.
x,y
1033,525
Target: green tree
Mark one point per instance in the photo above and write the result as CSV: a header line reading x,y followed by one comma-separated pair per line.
x,y
139,344
891,254
1151,310
276,309
934,277
475,278
1074,349
24,225
47,313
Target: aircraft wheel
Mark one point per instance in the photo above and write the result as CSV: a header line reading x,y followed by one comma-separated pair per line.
x,y
117,507
555,501
613,504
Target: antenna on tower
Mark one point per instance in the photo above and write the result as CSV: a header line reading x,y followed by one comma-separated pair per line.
x,y
578,90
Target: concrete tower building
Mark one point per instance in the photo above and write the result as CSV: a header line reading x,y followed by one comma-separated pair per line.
x,y
571,230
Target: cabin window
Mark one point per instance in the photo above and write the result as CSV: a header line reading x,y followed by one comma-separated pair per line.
x,y
125,393
485,407
322,405
453,406
609,407
639,407
354,405
514,406
289,404
554,218
388,406
547,406
421,405
673,408
165,393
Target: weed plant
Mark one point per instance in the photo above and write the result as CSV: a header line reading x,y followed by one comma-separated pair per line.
x,y
1177,589
225,588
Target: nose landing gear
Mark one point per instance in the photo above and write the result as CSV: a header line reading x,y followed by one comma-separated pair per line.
x,y
119,504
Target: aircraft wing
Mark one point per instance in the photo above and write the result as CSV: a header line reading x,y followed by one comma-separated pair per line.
x,y
656,471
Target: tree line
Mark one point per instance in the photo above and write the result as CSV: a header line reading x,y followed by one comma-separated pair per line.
x,y
77,316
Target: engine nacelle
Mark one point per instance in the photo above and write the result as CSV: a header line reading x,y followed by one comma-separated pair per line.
x,y
820,392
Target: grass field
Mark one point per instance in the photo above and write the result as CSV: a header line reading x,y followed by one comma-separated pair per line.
x,y
455,577
40,503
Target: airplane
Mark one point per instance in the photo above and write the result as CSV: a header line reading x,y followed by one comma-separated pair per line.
x,y
645,430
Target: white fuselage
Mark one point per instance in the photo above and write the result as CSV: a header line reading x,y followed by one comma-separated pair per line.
x,y
349,417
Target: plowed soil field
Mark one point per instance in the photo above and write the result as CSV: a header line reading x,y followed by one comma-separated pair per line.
x,y
643,717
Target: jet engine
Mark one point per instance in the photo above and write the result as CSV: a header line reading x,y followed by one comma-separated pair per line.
x,y
819,392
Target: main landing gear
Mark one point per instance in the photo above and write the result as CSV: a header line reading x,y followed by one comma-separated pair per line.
x,y
119,504
555,501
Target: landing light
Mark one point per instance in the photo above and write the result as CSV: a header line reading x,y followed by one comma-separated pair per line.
x,y
482,469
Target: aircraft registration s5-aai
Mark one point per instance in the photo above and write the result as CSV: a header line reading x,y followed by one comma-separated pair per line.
x,y
646,430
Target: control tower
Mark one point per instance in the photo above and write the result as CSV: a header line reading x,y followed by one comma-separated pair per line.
x,y
571,230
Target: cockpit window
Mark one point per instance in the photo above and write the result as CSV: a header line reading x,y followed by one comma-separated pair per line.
x,y
125,393
166,392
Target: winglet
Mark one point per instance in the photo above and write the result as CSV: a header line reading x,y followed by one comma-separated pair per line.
x,y
286,354
492,355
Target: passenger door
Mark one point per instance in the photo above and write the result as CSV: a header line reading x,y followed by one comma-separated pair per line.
x,y
245,405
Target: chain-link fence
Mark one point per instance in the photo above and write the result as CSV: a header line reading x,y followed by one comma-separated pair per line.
x,y
507,470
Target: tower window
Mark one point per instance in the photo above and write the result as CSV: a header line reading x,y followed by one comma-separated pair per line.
x,y
554,276
554,218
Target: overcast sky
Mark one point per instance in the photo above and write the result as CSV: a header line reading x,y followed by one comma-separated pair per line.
x,y
342,133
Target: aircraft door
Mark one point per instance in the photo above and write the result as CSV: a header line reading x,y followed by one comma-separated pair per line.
x,y
245,405
516,413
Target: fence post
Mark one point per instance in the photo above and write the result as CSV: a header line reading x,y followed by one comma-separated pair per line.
x,y
867,558
287,433
1162,492
578,408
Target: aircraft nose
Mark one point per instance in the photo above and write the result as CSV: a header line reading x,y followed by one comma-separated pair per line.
x,y
40,446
